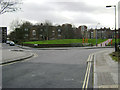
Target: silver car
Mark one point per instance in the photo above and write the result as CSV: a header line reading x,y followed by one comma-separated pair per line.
x,y
12,43
8,42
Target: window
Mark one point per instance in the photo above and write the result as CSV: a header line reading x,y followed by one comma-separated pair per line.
x,y
41,35
82,28
59,35
34,32
26,35
26,29
53,34
53,31
59,30
41,29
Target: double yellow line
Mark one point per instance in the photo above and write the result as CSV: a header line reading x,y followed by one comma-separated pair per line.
x,y
86,79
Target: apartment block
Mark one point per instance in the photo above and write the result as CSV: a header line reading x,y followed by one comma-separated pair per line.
x,y
3,34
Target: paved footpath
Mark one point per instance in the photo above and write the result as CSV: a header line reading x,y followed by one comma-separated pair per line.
x,y
105,70
7,56
14,55
103,44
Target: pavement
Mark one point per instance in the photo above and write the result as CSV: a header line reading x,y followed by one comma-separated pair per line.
x,y
13,55
105,70
103,44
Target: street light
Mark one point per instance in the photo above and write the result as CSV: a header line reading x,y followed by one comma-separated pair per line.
x,y
96,33
115,24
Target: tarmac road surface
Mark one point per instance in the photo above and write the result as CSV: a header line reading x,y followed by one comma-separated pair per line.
x,y
50,68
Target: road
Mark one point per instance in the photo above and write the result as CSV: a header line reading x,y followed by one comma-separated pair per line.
x,y
50,68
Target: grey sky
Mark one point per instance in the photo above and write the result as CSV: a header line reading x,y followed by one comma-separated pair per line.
x,y
119,15
76,12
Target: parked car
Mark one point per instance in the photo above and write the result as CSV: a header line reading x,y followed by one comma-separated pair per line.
x,y
12,44
8,42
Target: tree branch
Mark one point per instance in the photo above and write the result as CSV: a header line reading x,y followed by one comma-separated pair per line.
x,y
8,6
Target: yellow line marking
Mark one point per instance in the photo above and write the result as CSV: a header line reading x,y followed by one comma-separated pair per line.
x,y
86,79
86,74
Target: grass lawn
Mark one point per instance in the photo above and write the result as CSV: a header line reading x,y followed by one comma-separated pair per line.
x,y
113,41
93,41
66,41
115,56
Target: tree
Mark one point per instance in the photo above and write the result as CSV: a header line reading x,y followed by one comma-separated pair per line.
x,y
15,24
9,6
20,30
47,26
48,23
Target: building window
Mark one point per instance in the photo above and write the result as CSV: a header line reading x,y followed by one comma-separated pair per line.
x,y
26,29
41,29
59,35
82,28
53,34
53,31
26,35
34,32
41,35
59,30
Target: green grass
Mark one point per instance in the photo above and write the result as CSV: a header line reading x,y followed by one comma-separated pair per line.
x,y
60,41
65,41
113,41
93,41
115,56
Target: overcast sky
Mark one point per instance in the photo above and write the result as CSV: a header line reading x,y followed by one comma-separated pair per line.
x,y
75,12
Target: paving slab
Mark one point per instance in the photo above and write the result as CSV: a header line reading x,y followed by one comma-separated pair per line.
x,y
106,70
14,55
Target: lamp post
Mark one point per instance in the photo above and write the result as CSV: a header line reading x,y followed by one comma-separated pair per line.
x,y
115,25
96,33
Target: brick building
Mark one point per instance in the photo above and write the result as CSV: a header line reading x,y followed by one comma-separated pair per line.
x,y
83,31
102,33
45,33
0,35
66,31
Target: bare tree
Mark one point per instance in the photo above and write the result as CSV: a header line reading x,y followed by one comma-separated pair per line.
x,y
48,23
15,24
9,6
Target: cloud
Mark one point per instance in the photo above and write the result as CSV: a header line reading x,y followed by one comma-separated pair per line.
x,y
77,12
78,7
59,12
119,15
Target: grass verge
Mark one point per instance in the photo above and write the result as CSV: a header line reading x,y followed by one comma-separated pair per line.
x,y
66,41
115,56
